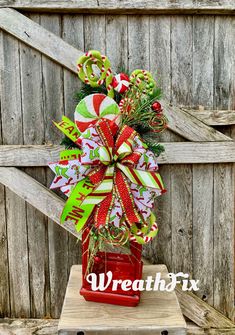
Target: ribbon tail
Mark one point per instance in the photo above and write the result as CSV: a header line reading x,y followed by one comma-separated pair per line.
x,y
102,212
126,199
73,210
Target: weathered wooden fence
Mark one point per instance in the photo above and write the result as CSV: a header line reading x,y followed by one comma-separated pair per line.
x,y
193,59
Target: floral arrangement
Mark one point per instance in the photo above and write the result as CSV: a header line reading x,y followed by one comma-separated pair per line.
x,y
108,171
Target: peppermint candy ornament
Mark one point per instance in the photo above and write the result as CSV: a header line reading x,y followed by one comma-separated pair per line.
x,y
121,82
94,107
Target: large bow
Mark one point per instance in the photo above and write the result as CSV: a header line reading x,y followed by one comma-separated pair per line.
x,y
113,179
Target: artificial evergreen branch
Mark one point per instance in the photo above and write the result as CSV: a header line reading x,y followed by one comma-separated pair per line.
x,y
156,148
69,144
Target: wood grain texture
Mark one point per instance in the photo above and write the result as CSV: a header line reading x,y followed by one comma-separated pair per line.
x,y
35,194
214,117
183,123
181,178
157,311
203,94
224,174
4,271
53,100
200,312
160,249
195,330
40,39
97,40
29,155
73,34
117,34
224,239
125,6
33,115
50,327
203,258
15,206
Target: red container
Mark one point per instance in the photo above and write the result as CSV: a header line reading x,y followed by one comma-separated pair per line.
x,y
123,267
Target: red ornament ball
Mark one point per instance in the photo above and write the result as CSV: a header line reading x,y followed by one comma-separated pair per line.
x,y
157,107
98,259
121,82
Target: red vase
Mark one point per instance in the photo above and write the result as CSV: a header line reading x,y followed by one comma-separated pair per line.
x,y
123,267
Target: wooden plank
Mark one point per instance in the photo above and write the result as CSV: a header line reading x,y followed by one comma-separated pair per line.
x,y
159,251
94,33
50,326
116,34
138,30
4,275
203,175
53,102
162,310
224,239
15,207
214,117
175,153
192,329
125,6
40,39
28,326
203,257
33,115
29,155
35,194
187,125
72,33
224,174
182,201
200,312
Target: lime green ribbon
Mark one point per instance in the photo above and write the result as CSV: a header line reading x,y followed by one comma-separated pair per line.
x,y
69,128
74,211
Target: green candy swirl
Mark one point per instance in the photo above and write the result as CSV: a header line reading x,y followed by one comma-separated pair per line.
x,y
86,72
143,80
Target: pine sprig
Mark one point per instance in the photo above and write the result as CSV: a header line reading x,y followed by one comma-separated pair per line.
x,y
69,144
87,90
142,117
156,148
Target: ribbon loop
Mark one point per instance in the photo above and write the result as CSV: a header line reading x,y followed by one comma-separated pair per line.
x,y
121,181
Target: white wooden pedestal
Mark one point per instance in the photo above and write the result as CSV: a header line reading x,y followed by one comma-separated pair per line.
x,y
158,312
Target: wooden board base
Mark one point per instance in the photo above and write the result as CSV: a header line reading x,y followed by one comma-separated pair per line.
x,y
158,312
